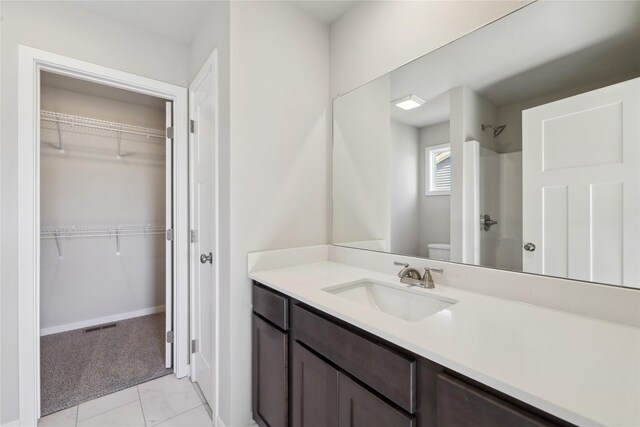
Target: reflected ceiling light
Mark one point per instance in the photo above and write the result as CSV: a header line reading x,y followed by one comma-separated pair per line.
x,y
408,102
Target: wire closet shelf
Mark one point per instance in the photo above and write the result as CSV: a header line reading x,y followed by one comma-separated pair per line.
x,y
68,122
60,123
75,231
114,231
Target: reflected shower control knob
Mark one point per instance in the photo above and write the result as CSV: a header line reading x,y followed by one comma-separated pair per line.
x,y
206,258
486,222
530,247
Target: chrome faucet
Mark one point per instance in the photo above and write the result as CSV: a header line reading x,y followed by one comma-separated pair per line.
x,y
408,273
412,277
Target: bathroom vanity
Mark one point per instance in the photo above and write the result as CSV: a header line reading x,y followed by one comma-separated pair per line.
x,y
312,369
334,344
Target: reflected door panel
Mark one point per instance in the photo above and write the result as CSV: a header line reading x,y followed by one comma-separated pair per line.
x,y
581,186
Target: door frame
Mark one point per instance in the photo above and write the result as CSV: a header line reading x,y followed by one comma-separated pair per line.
x,y
211,64
30,62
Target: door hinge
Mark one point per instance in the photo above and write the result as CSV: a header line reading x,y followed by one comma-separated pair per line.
x,y
170,234
192,126
194,346
194,236
170,132
170,337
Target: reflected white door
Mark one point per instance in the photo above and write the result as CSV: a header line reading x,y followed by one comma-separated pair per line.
x,y
203,136
168,219
581,186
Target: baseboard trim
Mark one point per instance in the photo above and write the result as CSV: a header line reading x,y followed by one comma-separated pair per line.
x,y
14,423
100,320
220,423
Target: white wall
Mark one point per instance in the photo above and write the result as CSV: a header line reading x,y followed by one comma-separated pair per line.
x,y
362,165
405,200
87,185
60,28
376,37
510,140
435,211
478,111
456,139
509,252
279,114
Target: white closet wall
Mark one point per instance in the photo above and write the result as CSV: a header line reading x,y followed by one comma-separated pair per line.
x,y
85,281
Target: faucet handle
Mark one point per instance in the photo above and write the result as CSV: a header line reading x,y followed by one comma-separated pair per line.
x,y
404,268
427,280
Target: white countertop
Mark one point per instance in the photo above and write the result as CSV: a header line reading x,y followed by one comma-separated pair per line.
x,y
583,370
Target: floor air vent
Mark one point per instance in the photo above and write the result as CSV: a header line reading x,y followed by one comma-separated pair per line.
x,y
100,327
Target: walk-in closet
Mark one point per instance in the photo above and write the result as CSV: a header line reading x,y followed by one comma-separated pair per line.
x,y
105,256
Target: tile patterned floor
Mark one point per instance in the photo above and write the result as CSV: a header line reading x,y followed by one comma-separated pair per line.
x,y
164,402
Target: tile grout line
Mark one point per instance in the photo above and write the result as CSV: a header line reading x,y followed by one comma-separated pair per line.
x,y
181,413
144,417
206,405
103,412
177,415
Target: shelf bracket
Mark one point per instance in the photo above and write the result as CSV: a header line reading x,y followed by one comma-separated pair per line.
x,y
117,242
119,143
60,139
59,246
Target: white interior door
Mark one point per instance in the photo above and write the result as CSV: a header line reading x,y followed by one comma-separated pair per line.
x,y
581,186
168,201
203,140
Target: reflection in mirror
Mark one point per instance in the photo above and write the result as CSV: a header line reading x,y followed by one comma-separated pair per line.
x,y
515,147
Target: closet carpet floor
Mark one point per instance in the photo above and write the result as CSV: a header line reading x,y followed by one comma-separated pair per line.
x,y
77,366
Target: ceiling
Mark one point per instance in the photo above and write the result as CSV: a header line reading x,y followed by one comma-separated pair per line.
x,y
437,110
179,20
175,20
327,11
551,47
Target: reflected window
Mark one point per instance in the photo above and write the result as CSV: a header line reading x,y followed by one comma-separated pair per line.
x,y
437,160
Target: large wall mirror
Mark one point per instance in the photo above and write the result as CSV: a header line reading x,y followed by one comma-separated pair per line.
x,y
515,147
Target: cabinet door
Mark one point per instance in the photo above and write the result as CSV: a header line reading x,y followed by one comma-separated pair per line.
x,y
270,380
462,405
357,407
314,390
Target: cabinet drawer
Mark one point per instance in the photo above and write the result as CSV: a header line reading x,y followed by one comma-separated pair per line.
x,y
357,407
271,306
462,405
387,371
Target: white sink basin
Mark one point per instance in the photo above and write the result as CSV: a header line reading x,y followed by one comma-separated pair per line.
x,y
409,304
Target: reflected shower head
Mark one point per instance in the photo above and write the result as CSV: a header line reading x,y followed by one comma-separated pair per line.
x,y
497,130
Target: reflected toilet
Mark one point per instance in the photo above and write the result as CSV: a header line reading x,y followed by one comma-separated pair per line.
x,y
439,251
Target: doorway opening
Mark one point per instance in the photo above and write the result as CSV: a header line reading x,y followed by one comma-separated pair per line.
x,y
106,265
103,229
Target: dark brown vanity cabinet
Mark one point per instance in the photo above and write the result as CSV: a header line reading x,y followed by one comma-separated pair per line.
x,y
270,359
322,396
359,407
462,405
314,387
312,370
